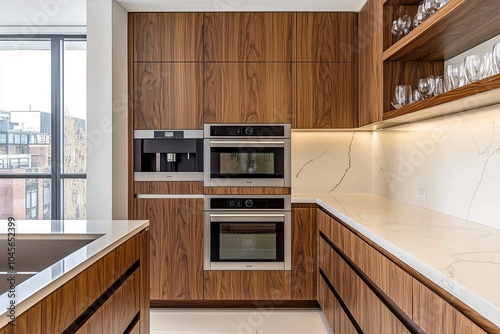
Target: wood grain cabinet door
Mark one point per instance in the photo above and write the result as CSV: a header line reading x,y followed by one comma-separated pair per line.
x,y
324,96
325,37
167,37
167,96
304,241
249,37
247,93
176,227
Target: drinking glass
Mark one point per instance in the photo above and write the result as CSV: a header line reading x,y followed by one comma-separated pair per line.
x,y
417,96
420,16
406,20
473,68
438,85
430,7
495,57
485,64
402,96
397,29
426,86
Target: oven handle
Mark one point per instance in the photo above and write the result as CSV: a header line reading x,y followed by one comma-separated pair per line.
x,y
247,217
247,143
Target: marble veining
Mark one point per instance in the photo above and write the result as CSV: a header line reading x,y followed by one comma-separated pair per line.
x,y
349,159
331,161
448,165
461,256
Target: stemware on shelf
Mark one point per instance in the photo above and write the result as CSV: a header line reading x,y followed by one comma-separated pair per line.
x,y
426,86
473,68
402,96
397,29
495,57
417,96
486,64
406,20
438,85
430,7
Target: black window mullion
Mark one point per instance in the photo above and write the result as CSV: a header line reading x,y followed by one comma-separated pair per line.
x,y
57,59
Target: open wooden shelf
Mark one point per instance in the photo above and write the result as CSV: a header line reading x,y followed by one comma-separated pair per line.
x,y
455,28
485,85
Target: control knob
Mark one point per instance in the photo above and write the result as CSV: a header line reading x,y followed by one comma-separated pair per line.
x,y
249,131
248,203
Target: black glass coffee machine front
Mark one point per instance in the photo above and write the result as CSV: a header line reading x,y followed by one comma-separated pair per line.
x,y
168,155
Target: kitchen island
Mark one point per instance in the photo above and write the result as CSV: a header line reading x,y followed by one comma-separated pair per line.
x,y
101,264
459,258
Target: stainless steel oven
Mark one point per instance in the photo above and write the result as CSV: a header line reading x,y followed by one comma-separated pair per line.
x,y
247,155
247,232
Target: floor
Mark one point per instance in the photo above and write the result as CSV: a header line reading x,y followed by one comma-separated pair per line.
x,y
224,321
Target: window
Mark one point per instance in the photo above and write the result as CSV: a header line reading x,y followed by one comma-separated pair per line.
x,y
43,126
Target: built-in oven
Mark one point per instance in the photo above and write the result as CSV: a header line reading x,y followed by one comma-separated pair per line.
x,y
247,155
247,232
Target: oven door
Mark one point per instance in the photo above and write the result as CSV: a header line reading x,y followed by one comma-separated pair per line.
x,y
254,163
247,240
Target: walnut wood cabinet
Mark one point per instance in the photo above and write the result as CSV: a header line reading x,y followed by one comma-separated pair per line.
x,y
107,297
176,266
325,71
247,37
304,244
166,37
167,96
377,294
256,92
246,285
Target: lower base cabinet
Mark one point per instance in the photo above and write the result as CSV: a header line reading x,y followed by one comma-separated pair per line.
x,y
246,285
107,297
353,273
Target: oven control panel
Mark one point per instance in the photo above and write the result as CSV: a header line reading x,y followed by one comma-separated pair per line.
x,y
247,203
247,131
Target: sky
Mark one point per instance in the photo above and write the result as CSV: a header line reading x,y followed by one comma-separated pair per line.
x,y
25,81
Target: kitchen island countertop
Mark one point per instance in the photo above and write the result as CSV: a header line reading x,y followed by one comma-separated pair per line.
x,y
108,235
460,256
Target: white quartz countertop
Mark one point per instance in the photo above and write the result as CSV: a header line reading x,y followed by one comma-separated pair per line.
x,y
109,234
462,257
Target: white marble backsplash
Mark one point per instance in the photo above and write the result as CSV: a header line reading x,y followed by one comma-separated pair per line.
x,y
331,162
454,160
450,164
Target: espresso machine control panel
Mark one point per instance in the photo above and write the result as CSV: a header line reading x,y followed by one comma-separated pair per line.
x,y
168,155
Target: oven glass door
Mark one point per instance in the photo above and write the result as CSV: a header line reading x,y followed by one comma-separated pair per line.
x,y
247,241
245,159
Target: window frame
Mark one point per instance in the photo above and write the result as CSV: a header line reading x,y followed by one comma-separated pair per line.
x,y
57,175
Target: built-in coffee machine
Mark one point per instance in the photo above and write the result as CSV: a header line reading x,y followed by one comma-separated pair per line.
x,y
168,155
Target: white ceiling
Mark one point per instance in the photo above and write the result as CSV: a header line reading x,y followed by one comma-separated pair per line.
x,y
242,5
73,12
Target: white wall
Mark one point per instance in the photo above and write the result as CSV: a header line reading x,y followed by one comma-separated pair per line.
x,y
106,123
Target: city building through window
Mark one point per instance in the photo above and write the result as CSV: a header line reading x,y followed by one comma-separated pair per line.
x,y
43,127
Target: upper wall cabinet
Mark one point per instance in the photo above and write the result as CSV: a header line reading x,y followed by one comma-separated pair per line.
x,y
325,36
247,93
168,96
325,95
167,37
248,37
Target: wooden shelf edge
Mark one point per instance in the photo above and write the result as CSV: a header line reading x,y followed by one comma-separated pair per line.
x,y
391,54
472,96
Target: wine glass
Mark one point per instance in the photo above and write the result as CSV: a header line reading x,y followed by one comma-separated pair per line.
x,y
417,96
406,20
420,16
430,7
402,96
485,64
397,29
495,57
438,85
473,68
426,86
